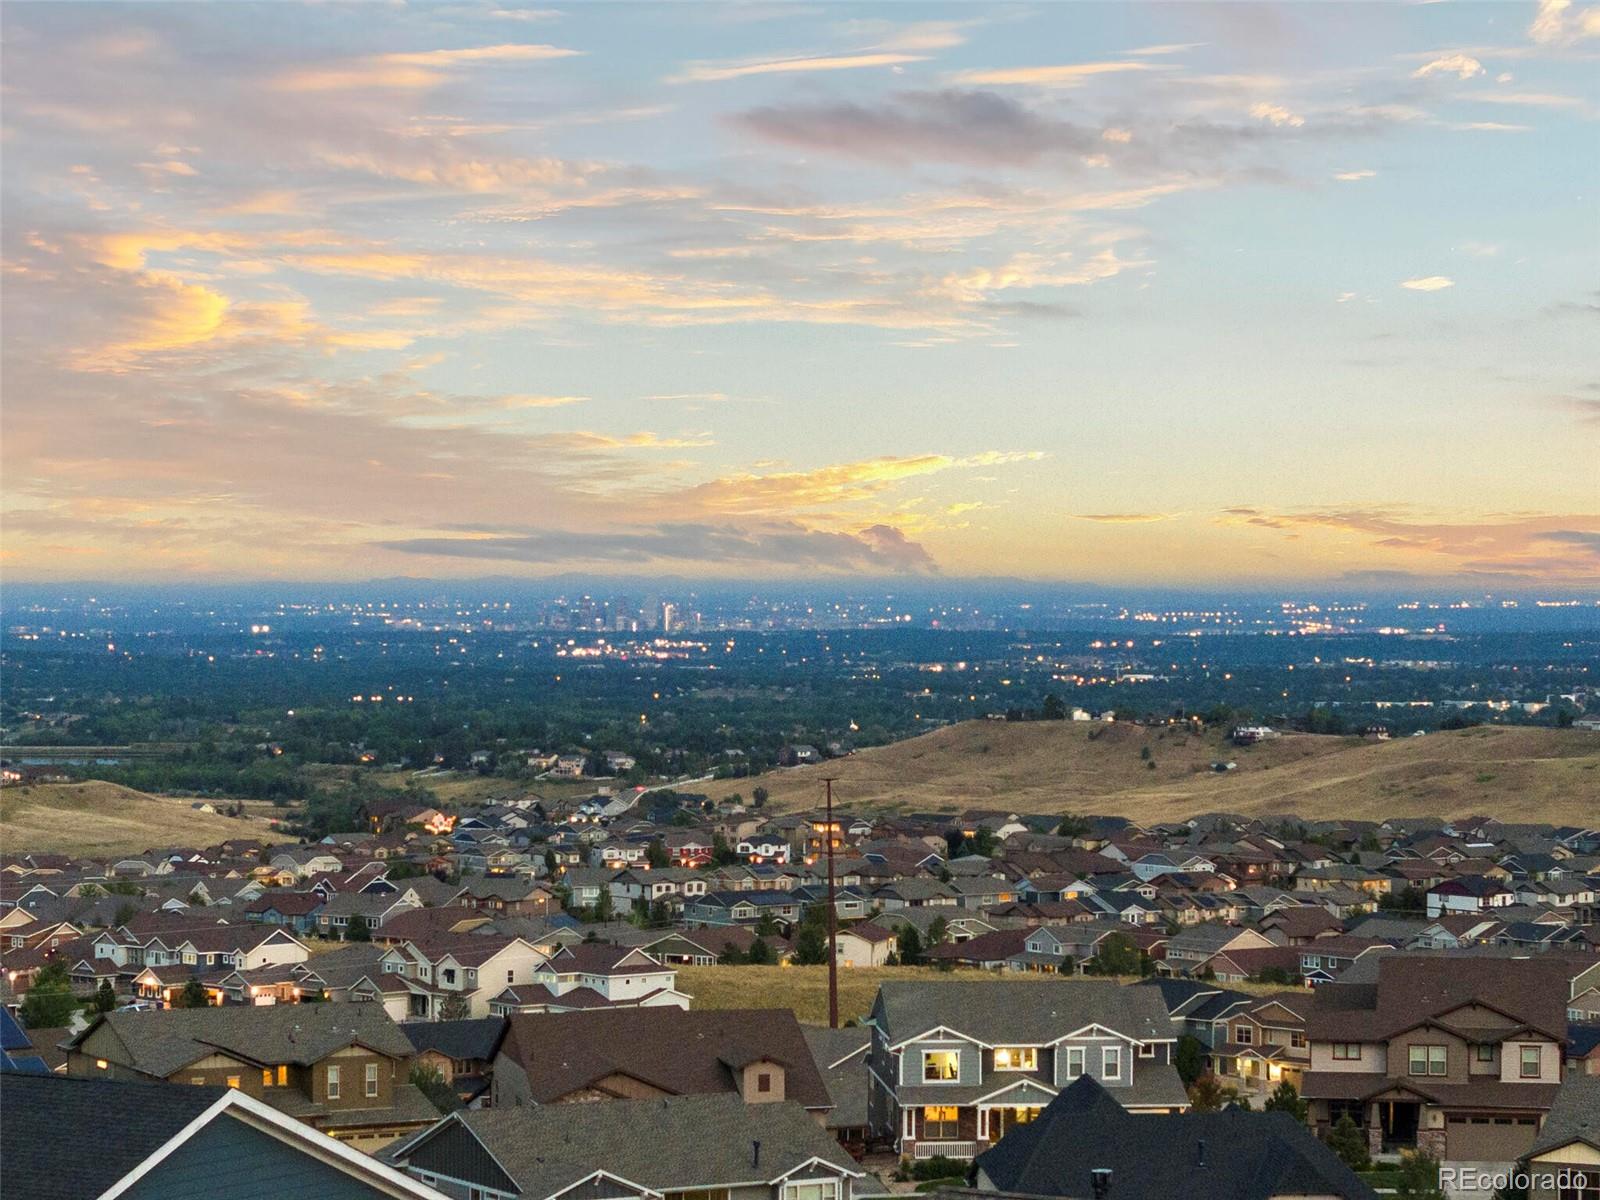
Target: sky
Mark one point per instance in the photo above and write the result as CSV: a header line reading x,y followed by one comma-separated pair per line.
x,y
1174,294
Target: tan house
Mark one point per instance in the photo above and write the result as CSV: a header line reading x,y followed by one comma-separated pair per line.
x,y
340,1068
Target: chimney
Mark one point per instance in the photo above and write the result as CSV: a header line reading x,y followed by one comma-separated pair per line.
x,y
1100,1182
1200,1153
755,1154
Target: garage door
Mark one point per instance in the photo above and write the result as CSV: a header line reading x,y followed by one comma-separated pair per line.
x,y
1487,1139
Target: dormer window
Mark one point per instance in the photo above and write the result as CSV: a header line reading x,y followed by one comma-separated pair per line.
x,y
1016,1058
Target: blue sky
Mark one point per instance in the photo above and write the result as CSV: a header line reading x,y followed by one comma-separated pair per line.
x,y
1167,293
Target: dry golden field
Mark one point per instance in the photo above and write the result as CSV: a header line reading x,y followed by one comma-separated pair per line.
x,y
1516,774
97,818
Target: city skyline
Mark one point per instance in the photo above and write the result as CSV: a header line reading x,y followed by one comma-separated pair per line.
x,y
1166,295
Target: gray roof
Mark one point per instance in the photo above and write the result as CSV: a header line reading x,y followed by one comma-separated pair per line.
x,y
840,1055
665,1145
1574,1117
167,1040
1020,1012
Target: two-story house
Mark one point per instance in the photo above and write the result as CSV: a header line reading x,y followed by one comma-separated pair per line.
x,y
1265,1044
1455,1055
953,1065
341,1068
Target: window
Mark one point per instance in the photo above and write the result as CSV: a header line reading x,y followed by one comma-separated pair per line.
x,y
1074,1061
372,1079
1297,1039
1147,1049
333,1083
1578,1185
1426,1060
811,1189
1016,1058
198,1080
1311,962
1111,1062
1532,1062
1346,1051
511,976
1244,1035
941,1066
266,1077
101,1064
233,1081
940,1123
764,1082
1483,1052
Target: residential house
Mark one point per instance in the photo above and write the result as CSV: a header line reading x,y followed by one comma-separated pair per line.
x,y
683,1147
953,1066
593,975
342,1069
104,1138
640,1053
1564,1161
463,1052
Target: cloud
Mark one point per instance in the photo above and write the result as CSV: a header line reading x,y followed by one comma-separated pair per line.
x,y
782,545
1064,75
1429,283
1462,66
711,72
1558,23
1354,176
1167,48
1528,99
1276,114
1125,518
413,71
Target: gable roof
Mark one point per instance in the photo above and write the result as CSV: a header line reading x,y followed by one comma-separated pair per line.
x,y
1185,1156
78,1139
166,1040
681,1052
659,1145
470,1038
1016,1011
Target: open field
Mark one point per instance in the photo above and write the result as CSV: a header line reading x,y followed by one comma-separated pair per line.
x,y
97,818
1517,774
805,989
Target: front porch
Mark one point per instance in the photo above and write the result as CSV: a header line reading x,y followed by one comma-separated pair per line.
x,y
966,1130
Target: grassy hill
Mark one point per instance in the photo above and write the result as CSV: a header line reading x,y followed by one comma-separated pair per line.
x,y
98,818
1515,774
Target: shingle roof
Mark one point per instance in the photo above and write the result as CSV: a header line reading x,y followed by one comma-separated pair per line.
x,y
1574,1117
839,1056
67,1139
678,1051
166,1040
658,1144
477,1037
1187,1156
1021,1011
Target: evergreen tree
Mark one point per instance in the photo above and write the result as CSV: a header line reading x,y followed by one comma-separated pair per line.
x,y
431,1083
811,945
766,924
194,995
1286,1099
1419,1178
909,944
1189,1058
454,1008
358,930
1349,1142
655,854
760,954
105,997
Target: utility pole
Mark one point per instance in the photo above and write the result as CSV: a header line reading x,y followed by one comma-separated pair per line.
x,y
833,920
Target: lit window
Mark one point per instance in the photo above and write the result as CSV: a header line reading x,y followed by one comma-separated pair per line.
x,y
1016,1058
266,1077
101,1064
941,1066
233,1081
940,1122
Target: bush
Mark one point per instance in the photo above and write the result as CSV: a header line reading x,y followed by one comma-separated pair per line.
x,y
1349,1142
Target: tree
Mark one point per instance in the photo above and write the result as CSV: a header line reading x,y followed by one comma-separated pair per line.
x,y
909,945
732,956
126,911
1072,825
1189,1058
1419,1178
766,924
193,995
431,1083
105,997
655,854
722,854
759,796
358,930
604,909
1206,1094
1053,709
454,1008
954,839
1347,1140
1286,1099
811,945
1116,955
937,931
984,842
760,954
50,1002
1276,975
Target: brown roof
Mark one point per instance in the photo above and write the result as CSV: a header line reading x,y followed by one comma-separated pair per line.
x,y
1413,989
681,1052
